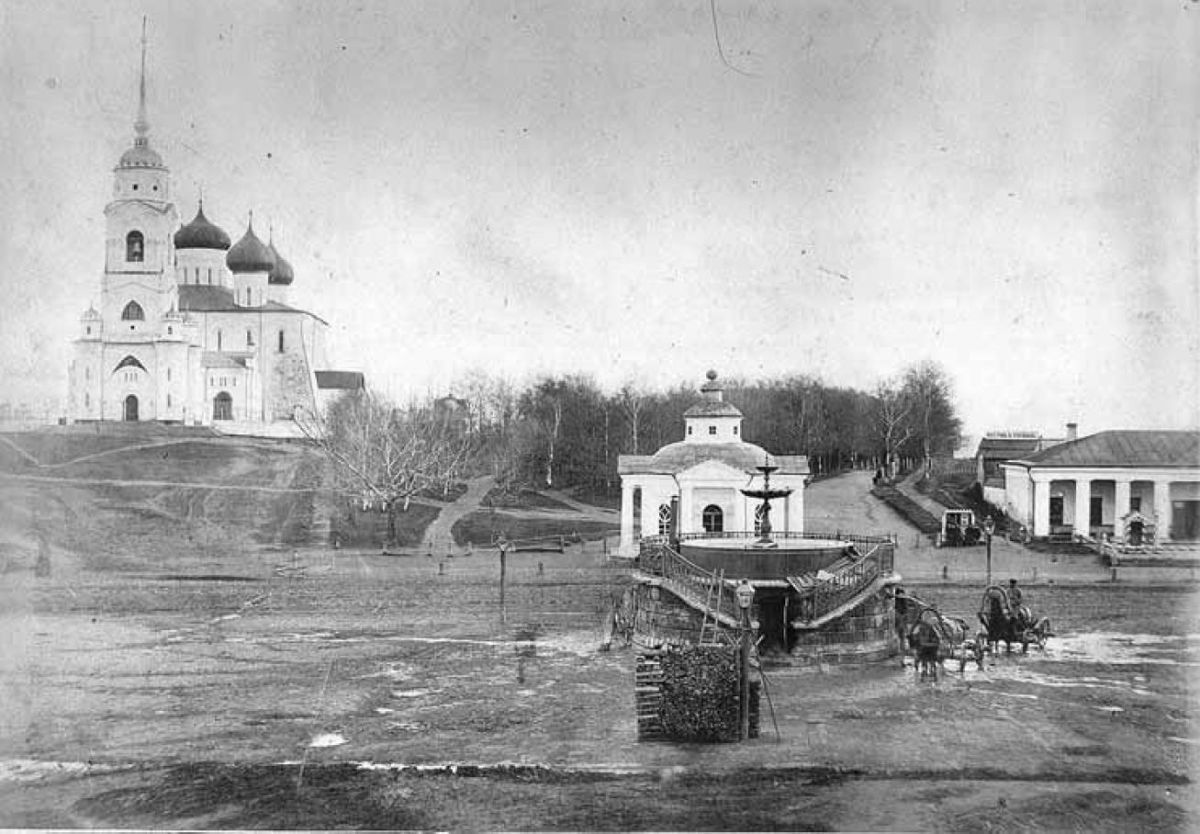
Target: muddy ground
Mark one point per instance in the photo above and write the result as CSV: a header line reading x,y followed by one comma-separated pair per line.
x,y
237,698
232,682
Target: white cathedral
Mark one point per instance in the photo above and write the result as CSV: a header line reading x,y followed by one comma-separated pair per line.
x,y
191,329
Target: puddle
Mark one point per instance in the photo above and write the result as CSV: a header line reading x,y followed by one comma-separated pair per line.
x,y
413,693
1125,649
1022,695
327,740
1029,676
31,770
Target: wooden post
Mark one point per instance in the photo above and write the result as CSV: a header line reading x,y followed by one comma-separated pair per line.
x,y
744,677
503,555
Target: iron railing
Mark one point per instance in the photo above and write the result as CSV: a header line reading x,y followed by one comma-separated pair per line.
x,y
657,557
829,589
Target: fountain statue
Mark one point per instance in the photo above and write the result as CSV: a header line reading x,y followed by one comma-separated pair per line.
x,y
764,539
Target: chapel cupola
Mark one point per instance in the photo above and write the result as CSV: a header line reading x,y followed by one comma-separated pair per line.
x,y
712,420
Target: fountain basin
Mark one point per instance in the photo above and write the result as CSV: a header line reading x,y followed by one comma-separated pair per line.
x,y
740,558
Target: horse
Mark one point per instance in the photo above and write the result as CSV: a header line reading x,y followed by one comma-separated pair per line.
x,y
1003,622
935,638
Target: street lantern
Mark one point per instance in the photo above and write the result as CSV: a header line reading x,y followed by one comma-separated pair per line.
x,y
744,594
989,527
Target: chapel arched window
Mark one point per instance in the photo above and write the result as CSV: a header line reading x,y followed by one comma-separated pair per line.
x,y
133,312
713,519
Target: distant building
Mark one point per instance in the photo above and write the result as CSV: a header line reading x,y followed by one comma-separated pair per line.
x,y
998,447
699,479
1113,483
191,328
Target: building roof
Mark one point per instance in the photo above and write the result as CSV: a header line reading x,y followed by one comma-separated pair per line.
x,y
340,380
213,359
206,298
282,272
713,408
1007,448
1123,448
201,233
250,254
683,455
141,155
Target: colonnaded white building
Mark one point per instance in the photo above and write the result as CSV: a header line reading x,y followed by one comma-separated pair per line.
x,y
1123,485
700,478
192,329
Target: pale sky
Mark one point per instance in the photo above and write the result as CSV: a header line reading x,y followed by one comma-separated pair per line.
x,y
1009,189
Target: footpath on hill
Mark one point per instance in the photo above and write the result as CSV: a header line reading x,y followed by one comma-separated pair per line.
x,y
438,533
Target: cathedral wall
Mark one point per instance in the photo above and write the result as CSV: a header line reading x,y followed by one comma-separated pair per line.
x,y
129,381
201,266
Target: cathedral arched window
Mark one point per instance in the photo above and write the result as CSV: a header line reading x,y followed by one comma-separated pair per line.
x,y
133,312
135,247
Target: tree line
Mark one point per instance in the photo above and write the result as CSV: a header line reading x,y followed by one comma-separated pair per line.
x,y
566,431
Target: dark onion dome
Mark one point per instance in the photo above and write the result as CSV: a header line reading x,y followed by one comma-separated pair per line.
x,y
282,273
250,254
201,234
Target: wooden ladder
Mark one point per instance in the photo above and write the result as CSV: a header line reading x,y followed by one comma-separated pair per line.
x,y
710,626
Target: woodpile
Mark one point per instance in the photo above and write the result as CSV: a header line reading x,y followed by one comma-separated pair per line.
x,y
690,693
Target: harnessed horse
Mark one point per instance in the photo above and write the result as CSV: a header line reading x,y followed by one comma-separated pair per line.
x,y
1011,624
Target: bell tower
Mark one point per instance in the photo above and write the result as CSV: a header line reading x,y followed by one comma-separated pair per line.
x,y
139,220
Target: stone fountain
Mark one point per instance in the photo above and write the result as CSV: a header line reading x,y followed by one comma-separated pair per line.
x,y
764,539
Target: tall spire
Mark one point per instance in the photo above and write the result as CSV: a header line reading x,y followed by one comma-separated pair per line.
x,y
141,125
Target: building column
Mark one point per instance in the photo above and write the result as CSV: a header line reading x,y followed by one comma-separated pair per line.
x,y
1120,507
1083,506
1041,509
649,514
626,548
685,510
1162,510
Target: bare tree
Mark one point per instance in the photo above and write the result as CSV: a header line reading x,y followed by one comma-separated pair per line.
x,y
632,401
385,455
895,428
929,390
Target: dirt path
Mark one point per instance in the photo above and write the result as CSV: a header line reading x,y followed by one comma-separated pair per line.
x,y
438,533
908,486
591,511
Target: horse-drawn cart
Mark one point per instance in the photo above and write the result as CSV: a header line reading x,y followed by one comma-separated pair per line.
x,y
1003,621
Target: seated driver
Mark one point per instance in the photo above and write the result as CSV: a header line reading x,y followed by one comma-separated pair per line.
x,y
1014,596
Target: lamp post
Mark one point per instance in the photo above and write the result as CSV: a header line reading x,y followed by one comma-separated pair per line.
x,y
989,527
744,594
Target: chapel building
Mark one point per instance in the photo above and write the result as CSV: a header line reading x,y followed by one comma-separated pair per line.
x,y
695,486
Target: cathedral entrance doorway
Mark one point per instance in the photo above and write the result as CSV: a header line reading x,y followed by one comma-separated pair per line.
x,y
131,407
223,406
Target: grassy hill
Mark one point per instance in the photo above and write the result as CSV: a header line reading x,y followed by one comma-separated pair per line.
x,y
154,499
